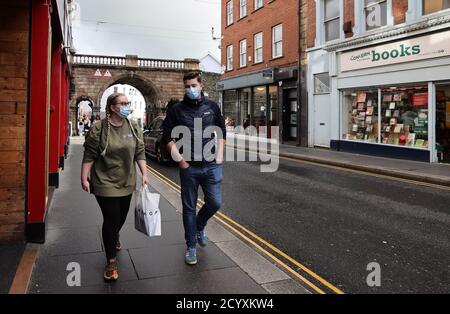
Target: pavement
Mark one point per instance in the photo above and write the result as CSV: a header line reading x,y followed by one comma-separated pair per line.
x,y
411,170
10,255
147,265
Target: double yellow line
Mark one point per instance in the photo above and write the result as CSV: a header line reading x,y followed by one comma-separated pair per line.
x,y
259,242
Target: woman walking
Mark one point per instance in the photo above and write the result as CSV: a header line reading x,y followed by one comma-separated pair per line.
x,y
112,147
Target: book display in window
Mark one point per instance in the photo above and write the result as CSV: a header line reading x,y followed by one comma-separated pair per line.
x,y
362,116
404,117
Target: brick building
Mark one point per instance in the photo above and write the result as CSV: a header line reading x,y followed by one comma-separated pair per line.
x,y
379,77
34,93
260,57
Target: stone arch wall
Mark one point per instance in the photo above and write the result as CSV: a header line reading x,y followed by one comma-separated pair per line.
x,y
157,86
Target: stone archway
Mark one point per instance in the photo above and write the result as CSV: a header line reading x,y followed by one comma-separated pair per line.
x,y
75,110
152,95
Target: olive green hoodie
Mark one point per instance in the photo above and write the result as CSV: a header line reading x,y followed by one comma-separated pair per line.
x,y
114,173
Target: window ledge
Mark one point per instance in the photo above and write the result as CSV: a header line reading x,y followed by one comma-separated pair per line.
x,y
276,58
256,10
229,25
242,18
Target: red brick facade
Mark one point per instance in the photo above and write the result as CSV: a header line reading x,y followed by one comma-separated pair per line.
x,y
273,12
399,9
311,37
349,16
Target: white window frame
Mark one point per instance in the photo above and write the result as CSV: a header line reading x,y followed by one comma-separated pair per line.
x,y
257,48
421,8
243,53
230,16
415,11
230,58
320,25
259,4
242,8
274,43
360,17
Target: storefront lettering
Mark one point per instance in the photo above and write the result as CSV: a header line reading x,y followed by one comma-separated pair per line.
x,y
405,51
414,49
360,56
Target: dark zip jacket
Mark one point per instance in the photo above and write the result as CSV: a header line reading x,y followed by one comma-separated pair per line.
x,y
184,113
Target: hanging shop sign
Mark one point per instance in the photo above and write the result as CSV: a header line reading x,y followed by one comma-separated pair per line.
x,y
268,74
414,49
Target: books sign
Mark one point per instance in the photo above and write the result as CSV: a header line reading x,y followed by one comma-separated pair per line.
x,y
414,49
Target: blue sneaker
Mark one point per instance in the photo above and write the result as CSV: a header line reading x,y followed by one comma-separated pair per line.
x,y
191,256
201,238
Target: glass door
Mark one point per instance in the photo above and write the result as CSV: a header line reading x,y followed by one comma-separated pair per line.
x,y
443,122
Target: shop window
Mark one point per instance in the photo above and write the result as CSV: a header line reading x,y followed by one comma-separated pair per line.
x,y
245,107
405,116
259,106
229,108
332,20
360,119
322,83
375,13
433,6
273,101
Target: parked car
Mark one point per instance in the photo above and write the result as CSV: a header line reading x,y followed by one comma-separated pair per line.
x,y
154,146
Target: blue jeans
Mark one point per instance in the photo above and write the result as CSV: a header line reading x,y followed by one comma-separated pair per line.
x,y
209,177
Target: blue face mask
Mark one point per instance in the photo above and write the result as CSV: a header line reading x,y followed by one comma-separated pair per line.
x,y
193,93
124,112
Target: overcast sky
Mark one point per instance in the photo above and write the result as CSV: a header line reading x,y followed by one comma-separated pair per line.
x,y
168,29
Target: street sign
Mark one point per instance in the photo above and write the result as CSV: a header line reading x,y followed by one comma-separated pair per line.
x,y
107,74
98,73
267,74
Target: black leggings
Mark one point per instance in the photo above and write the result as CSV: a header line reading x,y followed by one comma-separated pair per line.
x,y
115,211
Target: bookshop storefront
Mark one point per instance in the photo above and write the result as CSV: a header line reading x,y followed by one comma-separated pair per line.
x,y
394,99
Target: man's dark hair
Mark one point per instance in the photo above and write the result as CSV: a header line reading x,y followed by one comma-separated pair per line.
x,y
192,76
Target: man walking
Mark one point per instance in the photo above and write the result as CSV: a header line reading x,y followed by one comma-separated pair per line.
x,y
199,115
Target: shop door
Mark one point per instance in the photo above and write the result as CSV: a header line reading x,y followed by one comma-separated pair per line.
x,y
290,111
443,123
322,120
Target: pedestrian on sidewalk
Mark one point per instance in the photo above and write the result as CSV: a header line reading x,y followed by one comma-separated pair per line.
x,y
112,147
80,128
201,170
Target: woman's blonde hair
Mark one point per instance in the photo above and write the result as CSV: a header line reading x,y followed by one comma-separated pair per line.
x,y
111,101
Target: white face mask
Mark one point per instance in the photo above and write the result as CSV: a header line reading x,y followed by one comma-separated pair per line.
x,y
193,93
